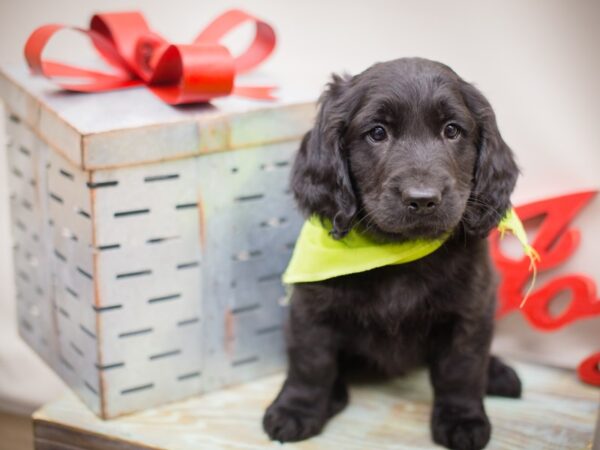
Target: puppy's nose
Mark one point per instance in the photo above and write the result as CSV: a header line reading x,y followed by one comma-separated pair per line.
x,y
421,200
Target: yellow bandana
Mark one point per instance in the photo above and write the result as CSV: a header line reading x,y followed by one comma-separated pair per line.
x,y
318,256
513,224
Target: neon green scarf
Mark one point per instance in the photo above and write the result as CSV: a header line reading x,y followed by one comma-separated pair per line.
x,y
318,256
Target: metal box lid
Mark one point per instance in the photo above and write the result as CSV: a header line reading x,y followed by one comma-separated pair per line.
x,y
132,126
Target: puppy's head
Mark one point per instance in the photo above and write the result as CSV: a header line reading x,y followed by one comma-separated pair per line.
x,y
406,149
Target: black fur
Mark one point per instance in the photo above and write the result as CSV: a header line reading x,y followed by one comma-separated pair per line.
x,y
437,311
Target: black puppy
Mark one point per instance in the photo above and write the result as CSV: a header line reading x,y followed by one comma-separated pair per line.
x,y
404,150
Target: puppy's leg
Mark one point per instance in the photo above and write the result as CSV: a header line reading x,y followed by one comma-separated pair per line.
x,y
313,390
503,381
458,371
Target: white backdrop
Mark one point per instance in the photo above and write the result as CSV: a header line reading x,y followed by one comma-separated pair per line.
x,y
538,62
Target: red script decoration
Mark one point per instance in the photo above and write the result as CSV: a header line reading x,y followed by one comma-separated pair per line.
x,y
589,369
556,241
178,74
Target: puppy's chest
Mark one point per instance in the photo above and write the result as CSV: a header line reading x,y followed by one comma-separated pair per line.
x,y
391,338
392,312
385,294
389,322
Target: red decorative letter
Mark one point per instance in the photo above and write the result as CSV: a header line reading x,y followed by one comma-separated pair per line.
x,y
555,242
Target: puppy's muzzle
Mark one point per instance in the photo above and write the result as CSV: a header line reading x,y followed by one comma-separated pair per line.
x,y
421,200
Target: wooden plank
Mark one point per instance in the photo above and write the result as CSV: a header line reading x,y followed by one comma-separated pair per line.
x,y
49,436
556,412
144,299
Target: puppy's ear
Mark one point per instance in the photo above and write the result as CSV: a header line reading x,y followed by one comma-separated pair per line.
x,y
320,177
495,171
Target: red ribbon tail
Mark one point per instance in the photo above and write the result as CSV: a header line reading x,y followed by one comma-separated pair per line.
x,y
66,70
256,92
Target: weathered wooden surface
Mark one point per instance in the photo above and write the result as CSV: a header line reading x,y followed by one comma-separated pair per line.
x,y
556,412
163,232
160,280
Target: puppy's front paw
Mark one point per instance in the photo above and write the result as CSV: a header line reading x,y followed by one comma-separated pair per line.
x,y
503,381
460,428
286,425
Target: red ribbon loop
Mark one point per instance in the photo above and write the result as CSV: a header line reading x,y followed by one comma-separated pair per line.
x,y
178,74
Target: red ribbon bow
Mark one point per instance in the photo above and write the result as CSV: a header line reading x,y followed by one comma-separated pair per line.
x,y
178,74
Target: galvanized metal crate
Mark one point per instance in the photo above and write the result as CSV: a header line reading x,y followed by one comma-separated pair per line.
x,y
149,240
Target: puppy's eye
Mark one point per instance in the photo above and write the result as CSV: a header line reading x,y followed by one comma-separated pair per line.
x,y
452,131
378,134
